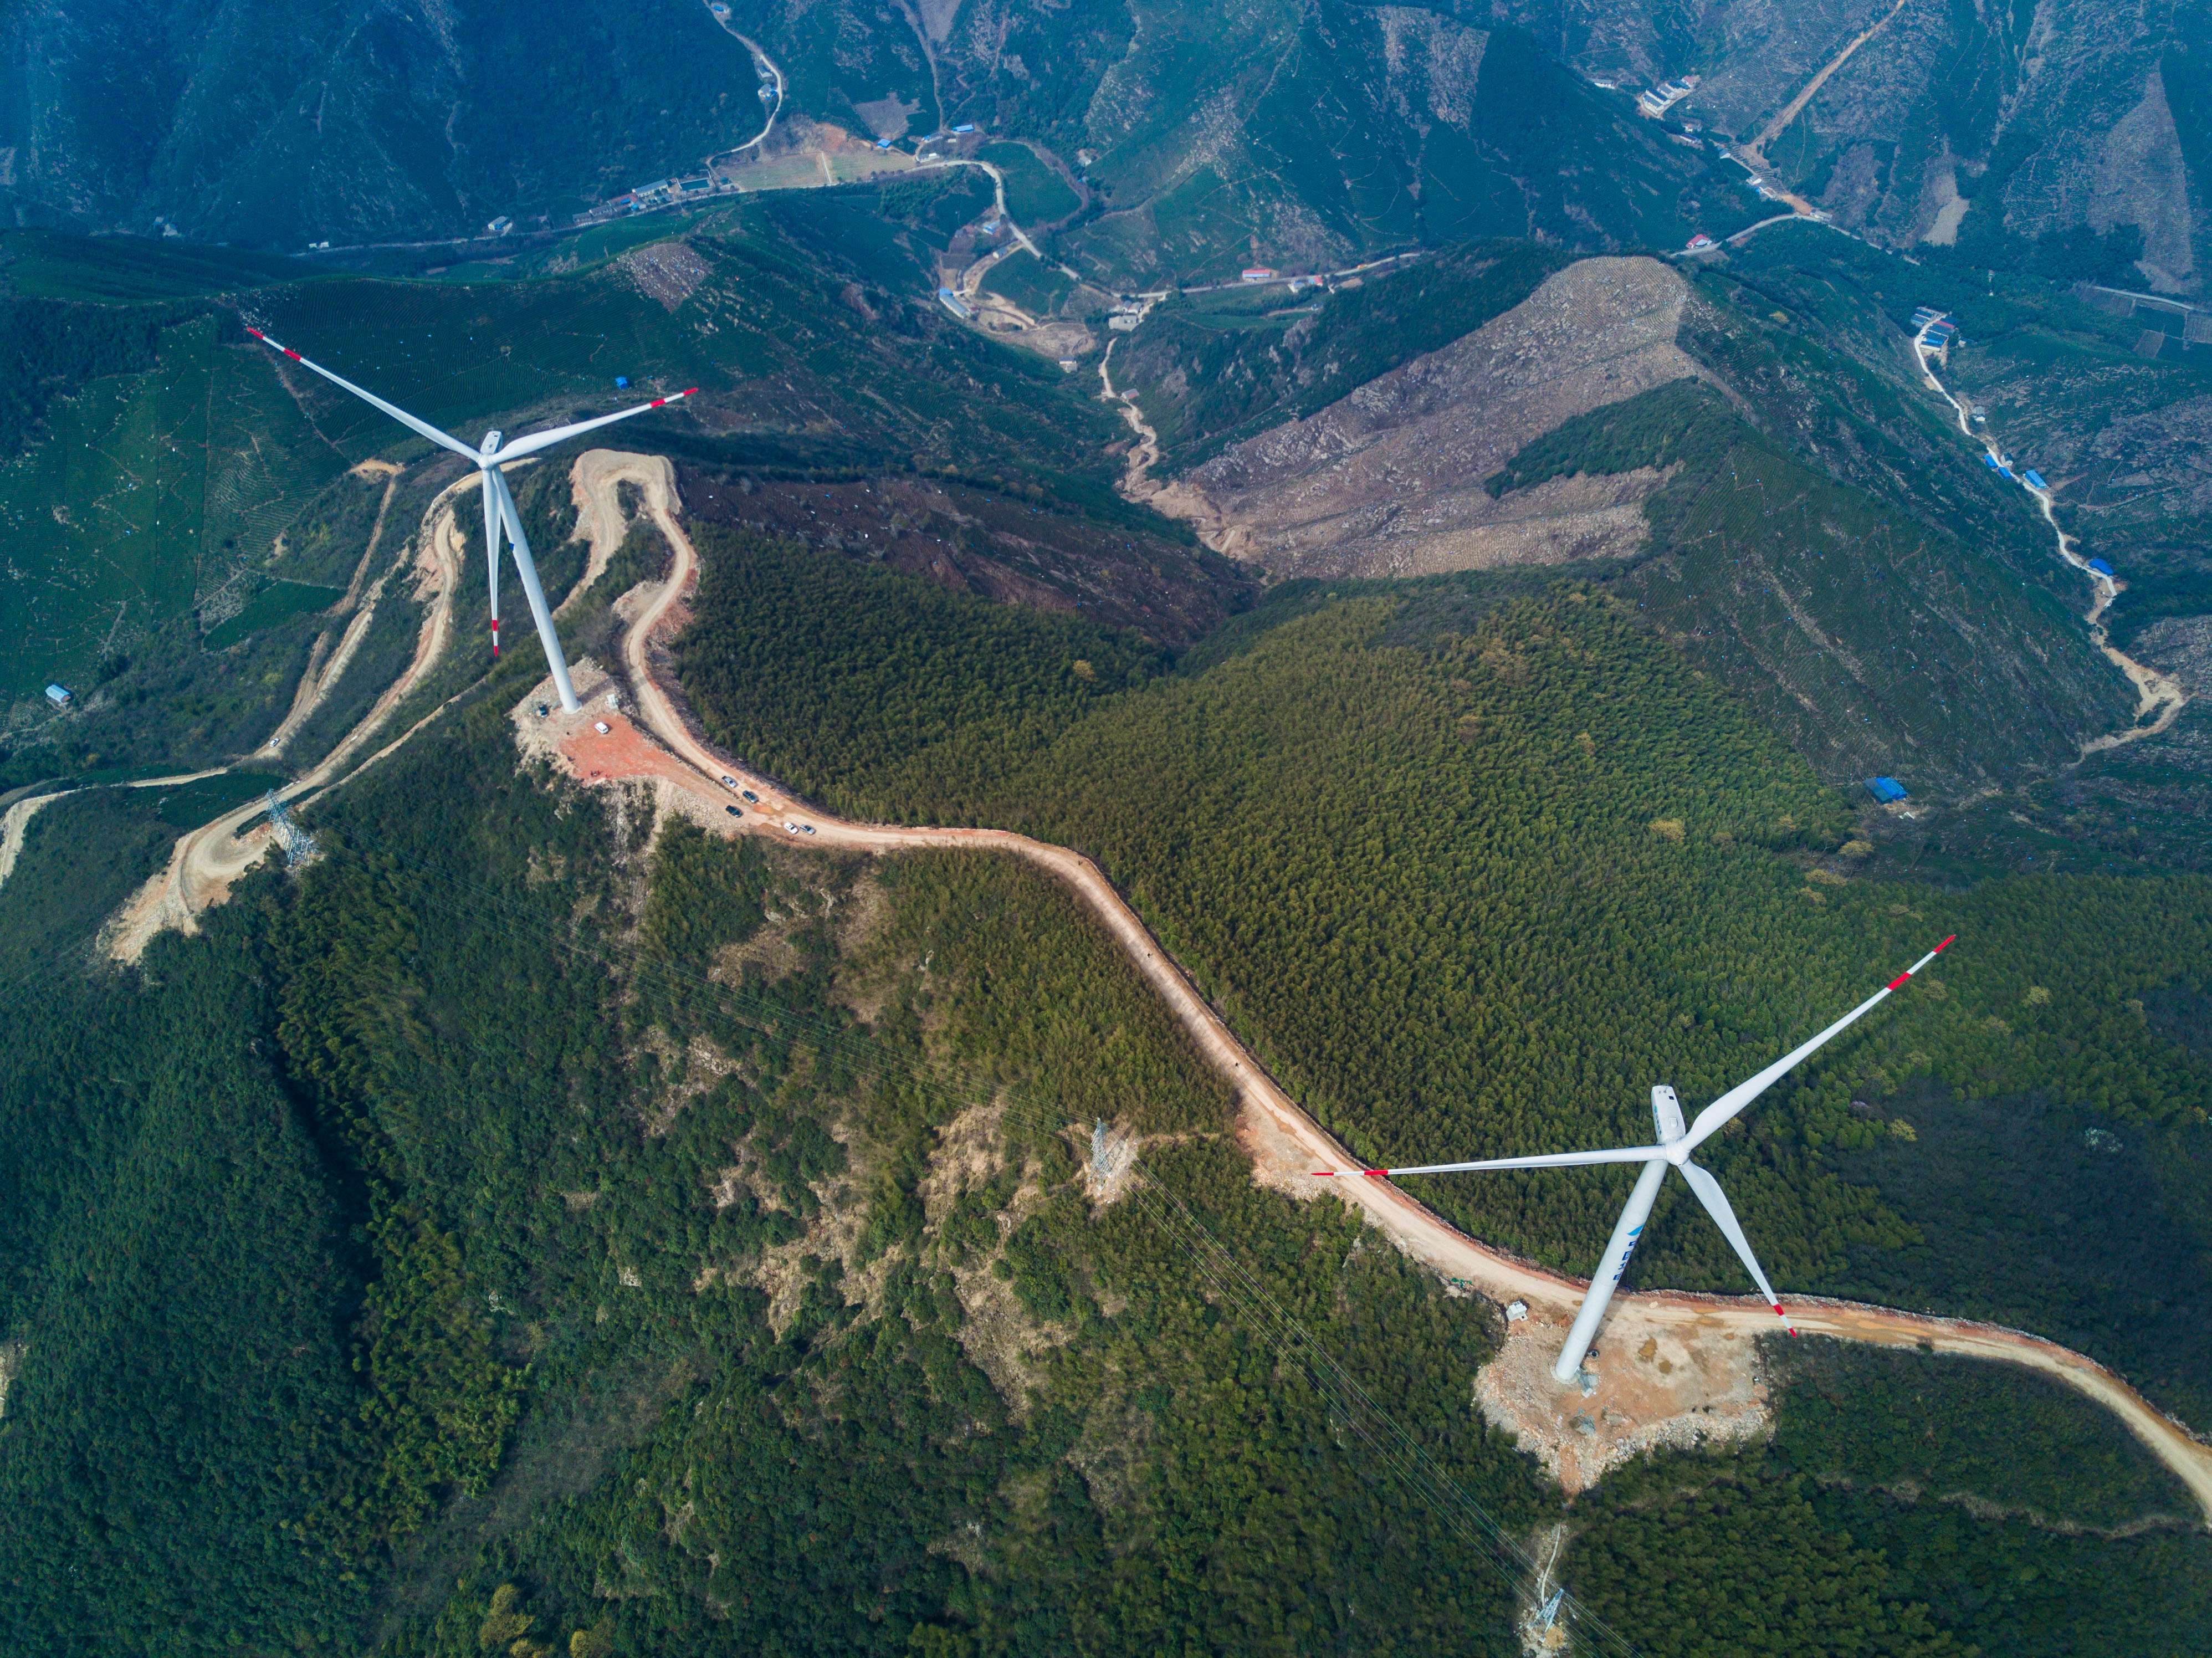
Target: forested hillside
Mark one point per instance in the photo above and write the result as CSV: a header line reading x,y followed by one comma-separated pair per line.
x,y
277,126
1742,456
540,1227
1879,644
596,1209
1525,862
2072,140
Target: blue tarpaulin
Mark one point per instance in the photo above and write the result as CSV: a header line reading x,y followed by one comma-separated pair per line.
x,y
2100,567
1885,789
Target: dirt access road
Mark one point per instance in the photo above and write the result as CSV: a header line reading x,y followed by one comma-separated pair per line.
x,y
1756,149
204,863
1672,1369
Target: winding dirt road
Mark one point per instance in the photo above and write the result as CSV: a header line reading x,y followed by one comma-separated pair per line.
x,y
1673,1368
204,863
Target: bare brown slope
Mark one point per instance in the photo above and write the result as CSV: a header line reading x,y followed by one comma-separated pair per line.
x,y
1387,481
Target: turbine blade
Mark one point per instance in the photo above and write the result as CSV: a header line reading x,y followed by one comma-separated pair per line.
x,y
1717,1205
491,550
551,436
1549,1160
1612,1267
1711,1119
527,569
421,426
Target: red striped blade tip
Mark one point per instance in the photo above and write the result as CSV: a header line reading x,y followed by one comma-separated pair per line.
x,y
1945,945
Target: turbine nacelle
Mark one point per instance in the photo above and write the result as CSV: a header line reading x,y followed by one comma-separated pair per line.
x,y
1672,1149
491,458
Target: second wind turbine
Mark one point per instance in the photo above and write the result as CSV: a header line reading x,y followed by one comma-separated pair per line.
x,y
491,456
1676,1141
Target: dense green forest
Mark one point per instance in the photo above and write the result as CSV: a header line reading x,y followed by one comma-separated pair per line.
x,y
1526,861
494,1174
1906,1503
620,1243
535,1228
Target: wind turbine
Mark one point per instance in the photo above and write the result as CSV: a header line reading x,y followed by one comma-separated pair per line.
x,y
498,501
1673,1149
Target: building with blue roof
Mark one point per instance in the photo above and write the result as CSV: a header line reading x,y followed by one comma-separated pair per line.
x,y
1885,789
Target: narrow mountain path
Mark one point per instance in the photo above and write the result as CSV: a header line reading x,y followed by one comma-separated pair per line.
x,y
2160,698
761,60
1790,111
1715,1333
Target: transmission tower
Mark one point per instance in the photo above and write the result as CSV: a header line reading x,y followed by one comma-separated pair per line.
x,y
298,845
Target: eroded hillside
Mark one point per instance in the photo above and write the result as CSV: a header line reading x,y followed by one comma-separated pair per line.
x,y
1388,481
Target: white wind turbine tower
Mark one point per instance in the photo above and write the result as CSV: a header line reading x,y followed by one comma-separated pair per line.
x,y
1674,1146
498,501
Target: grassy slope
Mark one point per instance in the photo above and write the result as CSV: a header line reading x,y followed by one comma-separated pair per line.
x,y
1877,643
1036,195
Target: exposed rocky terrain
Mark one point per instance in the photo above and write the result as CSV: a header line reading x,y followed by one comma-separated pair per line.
x,y
1977,121
1388,481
